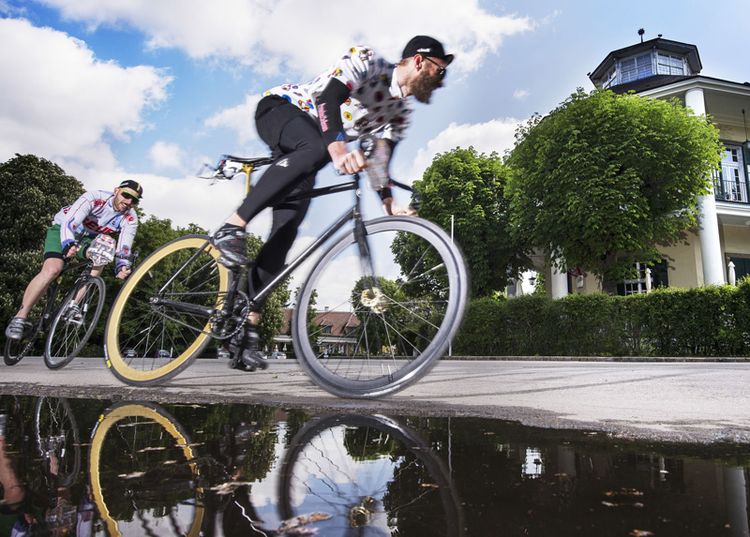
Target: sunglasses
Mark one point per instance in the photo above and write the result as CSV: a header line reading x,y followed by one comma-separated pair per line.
x,y
130,197
441,69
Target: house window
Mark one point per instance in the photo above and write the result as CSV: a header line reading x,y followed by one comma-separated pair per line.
x,y
730,181
669,65
326,329
636,67
741,266
659,278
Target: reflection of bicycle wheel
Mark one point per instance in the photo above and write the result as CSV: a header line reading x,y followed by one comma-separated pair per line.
x,y
74,322
373,475
57,441
143,473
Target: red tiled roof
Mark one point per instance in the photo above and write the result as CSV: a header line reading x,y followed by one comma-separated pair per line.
x,y
337,320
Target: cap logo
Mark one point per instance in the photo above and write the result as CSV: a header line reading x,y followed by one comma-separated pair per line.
x,y
424,50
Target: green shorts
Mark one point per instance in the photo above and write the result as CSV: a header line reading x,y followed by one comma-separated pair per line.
x,y
53,245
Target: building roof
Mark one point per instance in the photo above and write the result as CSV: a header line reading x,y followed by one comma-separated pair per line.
x,y
339,321
684,49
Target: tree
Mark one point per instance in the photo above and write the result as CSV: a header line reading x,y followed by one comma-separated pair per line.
x,y
34,189
272,315
470,186
605,179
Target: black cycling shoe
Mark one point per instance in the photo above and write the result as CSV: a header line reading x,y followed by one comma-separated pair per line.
x,y
17,328
230,241
246,354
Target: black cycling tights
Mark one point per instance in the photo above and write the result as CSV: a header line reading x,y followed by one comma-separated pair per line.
x,y
300,152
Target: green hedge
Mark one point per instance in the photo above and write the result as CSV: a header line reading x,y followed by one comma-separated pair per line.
x,y
706,321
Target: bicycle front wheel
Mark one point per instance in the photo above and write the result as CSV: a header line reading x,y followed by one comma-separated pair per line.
x,y
372,475
16,349
74,322
162,318
366,335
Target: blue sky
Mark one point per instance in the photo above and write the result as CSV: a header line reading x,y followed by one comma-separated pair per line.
x,y
150,89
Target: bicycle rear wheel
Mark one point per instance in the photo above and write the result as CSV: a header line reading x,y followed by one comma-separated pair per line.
x,y
142,469
162,318
74,322
359,335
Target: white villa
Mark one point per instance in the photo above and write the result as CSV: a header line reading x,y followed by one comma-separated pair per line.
x,y
718,252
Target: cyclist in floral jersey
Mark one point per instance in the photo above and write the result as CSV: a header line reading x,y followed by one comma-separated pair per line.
x,y
73,228
308,125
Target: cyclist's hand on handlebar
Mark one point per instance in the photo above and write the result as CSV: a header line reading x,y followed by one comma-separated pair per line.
x,y
392,209
123,273
72,250
345,161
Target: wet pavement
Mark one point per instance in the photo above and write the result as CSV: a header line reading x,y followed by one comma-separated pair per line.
x,y
697,402
98,467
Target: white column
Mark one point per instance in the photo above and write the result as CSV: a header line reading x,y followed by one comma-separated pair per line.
x,y
713,267
559,283
732,273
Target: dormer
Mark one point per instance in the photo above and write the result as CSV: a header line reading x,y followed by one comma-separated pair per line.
x,y
646,64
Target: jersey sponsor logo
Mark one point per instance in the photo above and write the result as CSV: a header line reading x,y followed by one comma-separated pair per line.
x,y
323,115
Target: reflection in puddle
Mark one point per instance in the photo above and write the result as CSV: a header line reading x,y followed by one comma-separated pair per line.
x,y
86,467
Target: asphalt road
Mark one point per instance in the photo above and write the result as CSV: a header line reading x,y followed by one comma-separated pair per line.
x,y
696,402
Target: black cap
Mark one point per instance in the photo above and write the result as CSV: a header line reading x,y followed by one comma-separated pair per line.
x,y
133,187
426,46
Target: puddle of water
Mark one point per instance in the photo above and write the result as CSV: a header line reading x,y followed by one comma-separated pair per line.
x,y
88,467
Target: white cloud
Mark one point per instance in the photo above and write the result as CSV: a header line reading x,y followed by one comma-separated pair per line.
x,y
239,118
183,200
521,94
495,135
61,103
166,155
270,34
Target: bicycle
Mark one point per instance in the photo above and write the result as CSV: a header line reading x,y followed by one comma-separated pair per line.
x,y
398,285
70,322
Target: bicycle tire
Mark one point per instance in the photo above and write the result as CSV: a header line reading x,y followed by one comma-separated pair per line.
x,y
58,354
16,349
176,441
400,335
68,468
315,467
125,329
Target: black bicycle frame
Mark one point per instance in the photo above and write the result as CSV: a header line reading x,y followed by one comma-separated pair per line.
x,y
359,233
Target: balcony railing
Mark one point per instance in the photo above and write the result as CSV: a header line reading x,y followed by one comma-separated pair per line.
x,y
729,187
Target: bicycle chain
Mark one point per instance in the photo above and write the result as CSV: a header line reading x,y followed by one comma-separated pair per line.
x,y
241,301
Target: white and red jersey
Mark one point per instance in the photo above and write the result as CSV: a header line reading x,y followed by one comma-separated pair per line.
x,y
94,213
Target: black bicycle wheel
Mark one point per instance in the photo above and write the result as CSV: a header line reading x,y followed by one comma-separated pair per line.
x,y
57,442
393,326
74,322
16,349
372,475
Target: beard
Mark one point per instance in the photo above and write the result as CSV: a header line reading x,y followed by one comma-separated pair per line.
x,y
423,87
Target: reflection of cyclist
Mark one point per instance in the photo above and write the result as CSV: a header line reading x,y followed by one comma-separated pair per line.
x,y
73,227
308,125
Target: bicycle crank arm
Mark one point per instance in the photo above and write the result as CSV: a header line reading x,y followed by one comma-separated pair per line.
x,y
182,306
